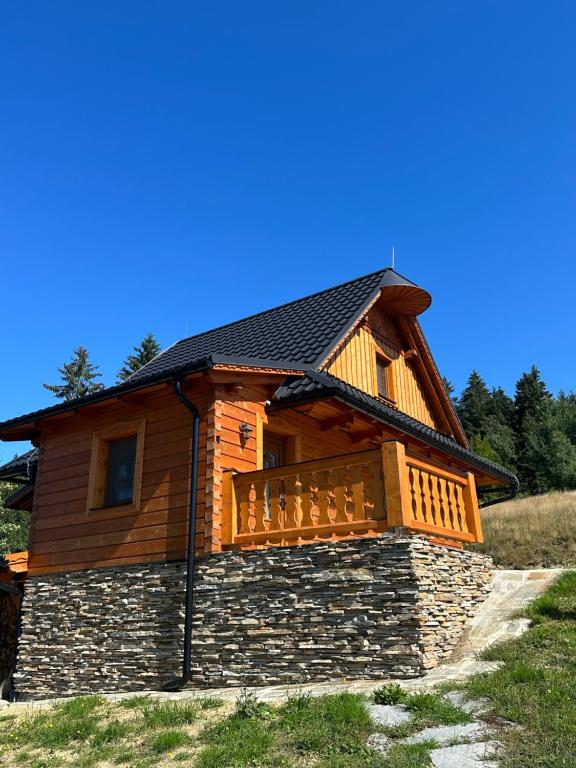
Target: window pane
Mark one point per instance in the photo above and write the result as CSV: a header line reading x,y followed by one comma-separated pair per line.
x,y
121,463
381,376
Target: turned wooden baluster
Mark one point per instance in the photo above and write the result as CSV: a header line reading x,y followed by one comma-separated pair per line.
x,y
368,492
348,481
459,507
358,492
322,497
425,488
434,517
331,508
245,508
418,501
290,502
275,517
443,502
259,506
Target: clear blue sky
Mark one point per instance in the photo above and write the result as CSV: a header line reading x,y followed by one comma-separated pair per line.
x,y
165,164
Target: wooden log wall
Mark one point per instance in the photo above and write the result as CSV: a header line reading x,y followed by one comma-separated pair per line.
x,y
65,535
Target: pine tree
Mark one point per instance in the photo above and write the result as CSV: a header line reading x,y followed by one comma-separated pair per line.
x,y
534,432
474,406
78,377
450,391
146,351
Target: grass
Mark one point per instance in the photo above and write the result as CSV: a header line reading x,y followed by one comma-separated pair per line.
x,y
87,732
531,532
536,687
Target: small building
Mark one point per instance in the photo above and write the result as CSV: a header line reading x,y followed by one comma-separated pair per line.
x,y
319,464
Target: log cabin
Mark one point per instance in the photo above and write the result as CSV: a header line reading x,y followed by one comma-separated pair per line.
x,y
318,426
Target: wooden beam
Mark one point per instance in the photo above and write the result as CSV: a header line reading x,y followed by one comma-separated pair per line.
x,y
369,434
337,422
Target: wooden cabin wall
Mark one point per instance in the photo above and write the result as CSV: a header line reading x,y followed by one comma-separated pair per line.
x,y
355,363
67,536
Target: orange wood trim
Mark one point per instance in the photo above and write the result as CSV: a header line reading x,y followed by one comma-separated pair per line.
x,y
229,508
397,494
416,525
473,520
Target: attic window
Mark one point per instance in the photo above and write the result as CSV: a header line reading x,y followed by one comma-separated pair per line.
x,y
116,466
382,377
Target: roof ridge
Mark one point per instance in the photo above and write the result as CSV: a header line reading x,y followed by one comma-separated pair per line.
x,y
279,306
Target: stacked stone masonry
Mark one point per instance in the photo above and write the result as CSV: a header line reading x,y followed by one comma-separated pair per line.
x,y
365,608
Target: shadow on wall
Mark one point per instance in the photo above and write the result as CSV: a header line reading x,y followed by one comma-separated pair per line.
x,y
9,606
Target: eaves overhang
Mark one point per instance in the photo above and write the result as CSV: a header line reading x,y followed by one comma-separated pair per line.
x,y
210,362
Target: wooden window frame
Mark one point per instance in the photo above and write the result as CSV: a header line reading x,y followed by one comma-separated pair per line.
x,y
381,356
99,465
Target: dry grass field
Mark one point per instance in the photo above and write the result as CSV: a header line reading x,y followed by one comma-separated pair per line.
x,y
532,532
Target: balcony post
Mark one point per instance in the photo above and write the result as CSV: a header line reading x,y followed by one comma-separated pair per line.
x,y
398,507
229,507
472,512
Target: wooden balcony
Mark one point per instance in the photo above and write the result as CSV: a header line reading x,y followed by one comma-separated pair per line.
x,y
358,494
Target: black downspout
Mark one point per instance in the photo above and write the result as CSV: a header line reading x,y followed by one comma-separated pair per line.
x,y
191,551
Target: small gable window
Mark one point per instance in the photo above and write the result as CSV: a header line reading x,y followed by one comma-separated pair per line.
x,y
382,376
116,466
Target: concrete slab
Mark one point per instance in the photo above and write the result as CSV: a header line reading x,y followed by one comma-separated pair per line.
x,y
471,706
389,714
448,734
465,756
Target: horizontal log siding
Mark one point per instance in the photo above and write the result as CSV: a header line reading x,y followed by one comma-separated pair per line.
x,y
65,536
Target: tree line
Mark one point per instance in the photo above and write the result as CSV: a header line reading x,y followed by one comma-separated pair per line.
x,y
78,377
533,433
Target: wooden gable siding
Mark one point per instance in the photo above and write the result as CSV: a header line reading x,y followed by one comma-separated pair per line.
x,y
355,363
65,535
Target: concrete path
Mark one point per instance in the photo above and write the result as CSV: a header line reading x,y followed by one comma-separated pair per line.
x,y
511,591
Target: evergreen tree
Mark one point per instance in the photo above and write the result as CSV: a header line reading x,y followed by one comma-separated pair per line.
x,y
534,431
78,377
146,351
474,406
450,391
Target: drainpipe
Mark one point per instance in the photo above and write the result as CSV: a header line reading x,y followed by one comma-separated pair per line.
x,y
190,555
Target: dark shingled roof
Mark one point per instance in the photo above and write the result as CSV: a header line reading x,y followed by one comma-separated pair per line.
x,y
316,384
297,335
22,468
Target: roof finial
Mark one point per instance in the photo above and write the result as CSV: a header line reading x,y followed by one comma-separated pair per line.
x,y
393,257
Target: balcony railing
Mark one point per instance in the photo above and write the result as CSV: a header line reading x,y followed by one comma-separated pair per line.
x,y
358,494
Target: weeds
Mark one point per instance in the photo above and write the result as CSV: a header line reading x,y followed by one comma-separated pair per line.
x,y
389,694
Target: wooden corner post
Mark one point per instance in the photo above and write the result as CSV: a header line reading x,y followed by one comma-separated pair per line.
x,y
229,507
471,507
398,509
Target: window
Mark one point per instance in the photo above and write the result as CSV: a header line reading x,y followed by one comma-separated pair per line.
x,y
116,466
120,471
382,377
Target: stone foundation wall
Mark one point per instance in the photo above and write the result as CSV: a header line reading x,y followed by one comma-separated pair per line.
x,y
362,608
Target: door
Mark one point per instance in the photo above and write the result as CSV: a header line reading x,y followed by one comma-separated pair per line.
x,y
273,455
